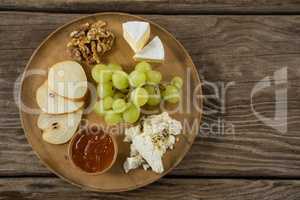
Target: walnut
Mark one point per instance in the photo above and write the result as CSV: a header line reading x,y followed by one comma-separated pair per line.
x,y
76,54
90,42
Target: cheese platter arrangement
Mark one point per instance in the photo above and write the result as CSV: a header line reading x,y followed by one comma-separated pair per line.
x,y
110,102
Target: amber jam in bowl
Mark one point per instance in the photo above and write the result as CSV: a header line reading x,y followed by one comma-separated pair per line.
x,y
93,151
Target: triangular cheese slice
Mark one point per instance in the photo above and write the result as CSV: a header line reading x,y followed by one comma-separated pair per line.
x,y
136,33
153,52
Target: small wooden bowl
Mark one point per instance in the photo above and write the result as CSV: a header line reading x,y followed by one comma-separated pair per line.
x,y
98,172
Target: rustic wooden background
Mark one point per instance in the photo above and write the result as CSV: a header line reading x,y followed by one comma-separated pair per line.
x,y
235,41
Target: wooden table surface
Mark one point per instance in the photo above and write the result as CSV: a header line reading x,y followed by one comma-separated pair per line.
x,y
235,45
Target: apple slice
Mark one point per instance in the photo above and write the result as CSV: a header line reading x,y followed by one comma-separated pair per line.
x,y
52,103
153,52
59,129
68,79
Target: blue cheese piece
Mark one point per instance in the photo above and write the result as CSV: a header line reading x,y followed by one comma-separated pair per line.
x,y
174,127
131,132
170,141
133,151
133,163
146,166
156,124
147,149
149,146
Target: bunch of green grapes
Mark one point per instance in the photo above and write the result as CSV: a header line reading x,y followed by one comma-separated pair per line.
x,y
122,95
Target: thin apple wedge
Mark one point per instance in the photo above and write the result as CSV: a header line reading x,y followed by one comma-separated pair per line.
x,y
59,129
52,103
68,79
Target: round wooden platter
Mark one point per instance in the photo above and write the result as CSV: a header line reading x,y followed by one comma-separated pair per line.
x,y
55,157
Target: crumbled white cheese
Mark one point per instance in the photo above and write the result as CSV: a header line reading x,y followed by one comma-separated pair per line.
x,y
146,167
132,163
150,141
170,141
131,132
149,152
155,124
133,151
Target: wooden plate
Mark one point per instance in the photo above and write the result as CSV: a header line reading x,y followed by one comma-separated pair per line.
x,y
55,157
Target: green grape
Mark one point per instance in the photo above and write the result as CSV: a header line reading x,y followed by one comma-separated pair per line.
x,y
120,80
96,71
119,95
103,105
113,118
124,91
143,67
154,95
105,75
153,77
119,105
137,78
171,94
99,108
107,102
114,66
105,90
131,114
177,82
139,97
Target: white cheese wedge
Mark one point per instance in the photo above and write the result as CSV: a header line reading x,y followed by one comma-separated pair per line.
x,y
136,33
152,52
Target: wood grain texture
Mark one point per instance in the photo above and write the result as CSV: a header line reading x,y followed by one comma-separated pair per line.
x,y
243,49
192,189
156,6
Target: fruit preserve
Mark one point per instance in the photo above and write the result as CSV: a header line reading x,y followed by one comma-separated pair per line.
x,y
93,152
